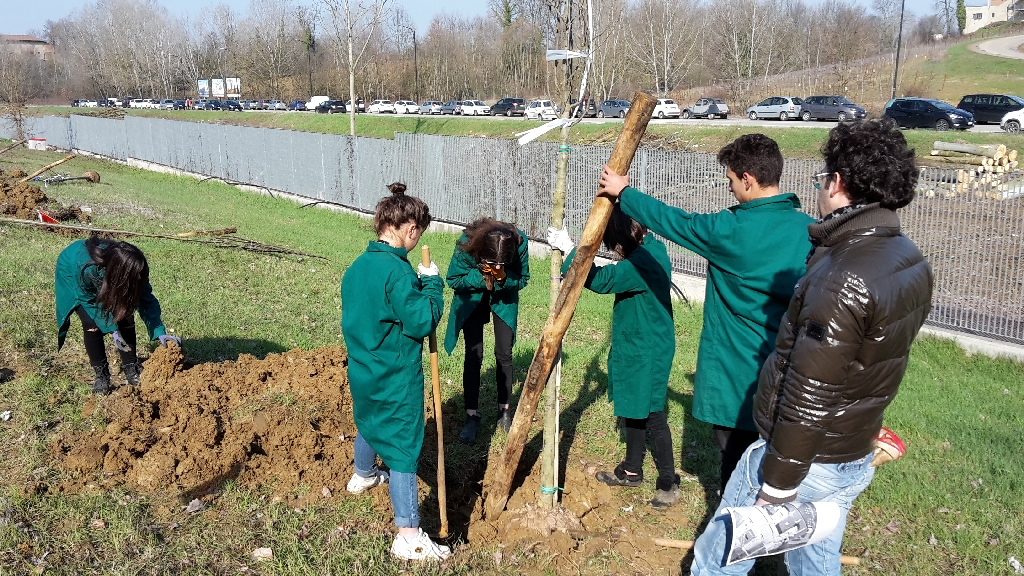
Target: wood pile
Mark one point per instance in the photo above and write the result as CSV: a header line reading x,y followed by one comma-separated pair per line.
x,y
982,173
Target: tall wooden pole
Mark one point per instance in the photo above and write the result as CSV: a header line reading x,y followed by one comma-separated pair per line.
x,y
500,480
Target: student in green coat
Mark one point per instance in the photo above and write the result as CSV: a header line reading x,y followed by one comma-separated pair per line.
x,y
104,282
386,312
643,344
491,264
756,251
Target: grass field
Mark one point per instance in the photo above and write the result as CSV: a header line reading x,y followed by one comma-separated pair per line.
x,y
952,506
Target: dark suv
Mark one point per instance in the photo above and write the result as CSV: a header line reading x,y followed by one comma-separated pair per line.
x,y
990,107
831,108
509,107
927,113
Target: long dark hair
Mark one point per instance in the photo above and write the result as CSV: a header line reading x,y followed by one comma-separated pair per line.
x,y
493,241
397,209
623,234
125,275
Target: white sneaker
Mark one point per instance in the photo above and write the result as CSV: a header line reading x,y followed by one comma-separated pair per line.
x,y
418,547
358,484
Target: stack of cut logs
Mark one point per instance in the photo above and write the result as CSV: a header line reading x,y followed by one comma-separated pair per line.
x,y
985,167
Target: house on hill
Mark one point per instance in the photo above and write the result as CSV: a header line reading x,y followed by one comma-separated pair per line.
x,y
981,13
31,45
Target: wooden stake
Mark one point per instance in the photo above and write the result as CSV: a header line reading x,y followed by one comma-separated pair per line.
x,y
12,146
435,388
497,491
688,544
47,167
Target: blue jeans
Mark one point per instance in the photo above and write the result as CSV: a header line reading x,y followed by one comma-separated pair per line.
x,y
401,485
839,483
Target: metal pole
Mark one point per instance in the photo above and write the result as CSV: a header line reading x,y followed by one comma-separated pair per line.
x,y
899,42
415,65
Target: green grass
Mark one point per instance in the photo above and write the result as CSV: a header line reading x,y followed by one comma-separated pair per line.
x,y
225,302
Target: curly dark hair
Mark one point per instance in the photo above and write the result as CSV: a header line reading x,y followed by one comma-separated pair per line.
x,y
492,241
754,154
623,234
397,209
874,161
125,275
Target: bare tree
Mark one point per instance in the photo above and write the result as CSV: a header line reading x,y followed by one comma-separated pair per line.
x,y
355,21
664,39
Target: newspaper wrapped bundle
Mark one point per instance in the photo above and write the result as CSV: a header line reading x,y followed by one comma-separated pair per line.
x,y
774,529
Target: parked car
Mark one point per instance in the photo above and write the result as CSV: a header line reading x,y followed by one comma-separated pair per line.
x,y
430,107
297,105
381,107
449,106
474,108
781,107
588,109
927,113
666,108
231,105
133,103
331,107
541,110
990,107
406,107
1012,121
211,105
315,101
277,105
360,105
509,107
166,105
613,108
707,108
263,104
831,108
179,104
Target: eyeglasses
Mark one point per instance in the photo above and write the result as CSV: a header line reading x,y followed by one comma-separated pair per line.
x,y
493,263
818,178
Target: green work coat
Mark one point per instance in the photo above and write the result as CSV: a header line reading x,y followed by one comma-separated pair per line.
x,y
468,282
77,282
756,253
643,333
386,312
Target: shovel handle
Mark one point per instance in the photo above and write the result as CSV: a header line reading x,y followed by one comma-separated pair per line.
x,y
435,387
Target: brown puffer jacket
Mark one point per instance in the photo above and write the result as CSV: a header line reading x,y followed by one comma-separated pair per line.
x,y
842,347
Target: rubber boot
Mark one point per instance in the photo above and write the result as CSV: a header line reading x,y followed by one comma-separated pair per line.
x,y
101,385
132,372
505,419
468,434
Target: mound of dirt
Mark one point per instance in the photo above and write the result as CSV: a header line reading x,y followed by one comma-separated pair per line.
x,y
19,199
283,422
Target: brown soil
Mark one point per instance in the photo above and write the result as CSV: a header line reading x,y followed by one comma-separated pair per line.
x,y
284,423
21,200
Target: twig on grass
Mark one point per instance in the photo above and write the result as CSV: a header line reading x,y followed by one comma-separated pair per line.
x,y
220,238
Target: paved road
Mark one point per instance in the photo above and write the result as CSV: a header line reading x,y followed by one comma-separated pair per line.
x,y
1002,47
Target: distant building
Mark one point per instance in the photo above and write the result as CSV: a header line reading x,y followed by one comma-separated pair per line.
x,y
983,13
28,45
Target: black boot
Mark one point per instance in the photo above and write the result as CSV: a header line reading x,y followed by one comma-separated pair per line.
x,y
101,385
132,372
468,435
504,419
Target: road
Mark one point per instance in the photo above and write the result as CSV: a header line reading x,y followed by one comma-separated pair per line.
x,y
1002,47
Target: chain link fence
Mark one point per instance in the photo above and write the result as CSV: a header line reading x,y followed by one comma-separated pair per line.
x,y
972,233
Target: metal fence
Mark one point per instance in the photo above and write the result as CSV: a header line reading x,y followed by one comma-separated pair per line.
x,y
972,233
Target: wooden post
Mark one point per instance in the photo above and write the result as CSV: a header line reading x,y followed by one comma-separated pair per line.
x,y
47,167
496,493
12,146
435,388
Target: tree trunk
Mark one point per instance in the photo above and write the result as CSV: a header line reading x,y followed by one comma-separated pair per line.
x,y
504,468
975,149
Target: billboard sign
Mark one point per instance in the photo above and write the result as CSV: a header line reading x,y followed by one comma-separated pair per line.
x,y
218,87
234,87
204,88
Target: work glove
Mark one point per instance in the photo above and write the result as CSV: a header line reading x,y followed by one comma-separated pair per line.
x,y
558,238
428,270
168,338
120,342
497,273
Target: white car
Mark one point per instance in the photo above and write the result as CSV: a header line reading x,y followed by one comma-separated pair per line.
x,y
316,101
136,103
406,107
381,106
541,110
1012,121
90,104
666,108
474,108
430,107
152,104
166,105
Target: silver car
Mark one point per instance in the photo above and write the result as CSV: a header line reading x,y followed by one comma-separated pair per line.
x,y
613,109
707,108
430,107
781,107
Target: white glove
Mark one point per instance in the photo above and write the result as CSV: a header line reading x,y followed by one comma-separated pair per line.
x,y
428,271
559,239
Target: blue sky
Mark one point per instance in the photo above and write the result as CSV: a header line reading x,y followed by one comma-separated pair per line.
x,y
21,16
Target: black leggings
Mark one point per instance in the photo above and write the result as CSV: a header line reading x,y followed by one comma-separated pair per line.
x,y
94,339
473,330
653,429
733,442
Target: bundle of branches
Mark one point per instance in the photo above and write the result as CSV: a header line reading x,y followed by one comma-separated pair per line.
x,y
112,113
223,238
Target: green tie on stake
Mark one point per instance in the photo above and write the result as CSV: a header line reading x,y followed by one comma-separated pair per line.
x,y
502,468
